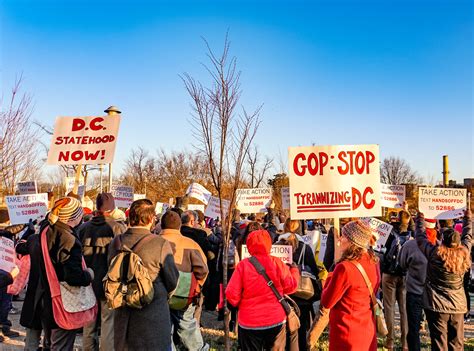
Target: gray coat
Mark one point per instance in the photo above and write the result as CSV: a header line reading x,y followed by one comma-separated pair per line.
x,y
148,328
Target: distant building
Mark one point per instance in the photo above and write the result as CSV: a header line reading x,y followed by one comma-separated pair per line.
x,y
469,182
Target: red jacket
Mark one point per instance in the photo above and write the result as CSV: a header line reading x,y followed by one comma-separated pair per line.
x,y
351,321
248,290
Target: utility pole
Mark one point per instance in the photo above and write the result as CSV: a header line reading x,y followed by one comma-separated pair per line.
x,y
111,111
445,171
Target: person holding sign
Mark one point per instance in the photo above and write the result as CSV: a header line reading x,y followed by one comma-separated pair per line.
x,y
444,298
346,294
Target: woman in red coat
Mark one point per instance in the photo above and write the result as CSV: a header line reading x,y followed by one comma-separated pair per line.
x,y
351,320
261,316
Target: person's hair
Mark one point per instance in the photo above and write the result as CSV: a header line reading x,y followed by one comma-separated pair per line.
x,y
177,210
446,223
251,217
291,226
354,253
200,216
455,259
187,216
142,212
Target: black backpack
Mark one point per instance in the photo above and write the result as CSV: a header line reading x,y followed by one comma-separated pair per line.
x,y
391,264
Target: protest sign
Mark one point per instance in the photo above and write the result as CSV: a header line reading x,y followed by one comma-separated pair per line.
x,y
194,207
253,200
442,203
22,208
7,254
83,140
322,247
197,191
69,184
123,195
334,181
380,229
285,198
283,252
311,238
25,188
139,197
392,196
213,209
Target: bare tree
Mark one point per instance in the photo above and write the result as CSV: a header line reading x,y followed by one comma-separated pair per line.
x,y
18,140
257,171
395,170
223,136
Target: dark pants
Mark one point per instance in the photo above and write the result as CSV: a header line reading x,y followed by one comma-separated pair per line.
x,y
273,339
466,281
306,319
5,307
446,330
414,316
62,340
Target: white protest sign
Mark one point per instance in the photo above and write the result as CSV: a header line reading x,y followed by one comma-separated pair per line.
x,y
83,140
25,188
7,254
380,229
334,181
123,195
283,252
392,196
139,197
194,207
442,203
69,183
253,200
322,247
311,238
285,198
159,207
197,191
22,208
213,209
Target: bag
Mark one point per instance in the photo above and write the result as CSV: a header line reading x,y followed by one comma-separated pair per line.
x,y
72,309
376,304
305,288
21,279
391,263
127,282
292,311
231,255
185,293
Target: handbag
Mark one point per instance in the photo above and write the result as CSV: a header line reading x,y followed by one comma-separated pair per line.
x,y
292,311
21,279
73,306
376,304
305,288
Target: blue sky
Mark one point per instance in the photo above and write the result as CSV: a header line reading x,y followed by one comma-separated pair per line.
x,y
394,73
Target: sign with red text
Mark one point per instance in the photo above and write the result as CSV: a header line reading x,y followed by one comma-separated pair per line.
x,y
7,254
285,198
442,203
283,252
253,200
83,140
213,209
123,195
380,229
25,188
22,208
197,191
392,196
334,181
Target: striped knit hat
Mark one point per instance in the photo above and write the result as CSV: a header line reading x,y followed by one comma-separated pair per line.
x,y
358,233
65,209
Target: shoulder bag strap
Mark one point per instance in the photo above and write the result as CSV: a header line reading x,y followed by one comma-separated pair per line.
x,y
367,281
261,270
302,253
140,243
50,272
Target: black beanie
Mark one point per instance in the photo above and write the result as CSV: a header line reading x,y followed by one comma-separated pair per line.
x,y
451,238
105,202
170,220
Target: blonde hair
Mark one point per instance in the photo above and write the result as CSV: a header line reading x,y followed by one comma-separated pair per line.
x,y
291,226
455,260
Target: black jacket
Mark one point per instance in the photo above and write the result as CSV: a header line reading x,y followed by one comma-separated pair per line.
x,y
96,236
444,291
199,236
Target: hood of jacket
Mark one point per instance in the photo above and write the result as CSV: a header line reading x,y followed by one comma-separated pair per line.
x,y
259,242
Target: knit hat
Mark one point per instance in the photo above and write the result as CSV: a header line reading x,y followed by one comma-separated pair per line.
x,y
430,223
171,220
105,202
358,232
451,238
65,209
